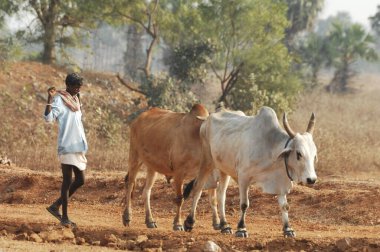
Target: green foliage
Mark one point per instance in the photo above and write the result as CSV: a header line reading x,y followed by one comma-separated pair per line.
x,y
7,8
165,92
245,33
375,21
249,41
188,62
9,49
302,16
255,39
156,18
248,97
347,44
56,22
337,43
313,51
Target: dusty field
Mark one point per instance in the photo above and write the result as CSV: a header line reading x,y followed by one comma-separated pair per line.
x,y
336,214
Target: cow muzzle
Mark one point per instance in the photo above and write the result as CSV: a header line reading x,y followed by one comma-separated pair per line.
x,y
311,181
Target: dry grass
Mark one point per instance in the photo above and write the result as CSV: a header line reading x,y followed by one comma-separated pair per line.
x,y
346,134
30,142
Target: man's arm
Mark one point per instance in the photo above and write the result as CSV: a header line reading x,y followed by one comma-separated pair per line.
x,y
51,93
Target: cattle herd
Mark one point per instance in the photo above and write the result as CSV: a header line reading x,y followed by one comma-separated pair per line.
x,y
209,149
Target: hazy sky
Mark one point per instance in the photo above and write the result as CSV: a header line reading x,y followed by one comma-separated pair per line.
x,y
359,10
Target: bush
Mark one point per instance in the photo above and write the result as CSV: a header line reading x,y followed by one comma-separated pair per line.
x,y
165,92
9,50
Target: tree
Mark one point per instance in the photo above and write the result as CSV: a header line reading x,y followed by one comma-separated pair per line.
x,y
248,38
347,44
58,22
313,54
9,47
145,15
375,21
153,18
188,62
134,56
302,15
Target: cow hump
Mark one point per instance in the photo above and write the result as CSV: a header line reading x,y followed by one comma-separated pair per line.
x,y
199,110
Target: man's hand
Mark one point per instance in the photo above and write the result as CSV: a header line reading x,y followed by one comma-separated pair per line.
x,y
52,91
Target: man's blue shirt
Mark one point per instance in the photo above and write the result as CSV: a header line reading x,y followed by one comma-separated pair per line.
x,y
71,136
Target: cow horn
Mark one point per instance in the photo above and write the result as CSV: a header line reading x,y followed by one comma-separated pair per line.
x,y
287,127
310,126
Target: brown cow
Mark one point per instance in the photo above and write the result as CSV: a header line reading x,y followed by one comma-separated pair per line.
x,y
168,143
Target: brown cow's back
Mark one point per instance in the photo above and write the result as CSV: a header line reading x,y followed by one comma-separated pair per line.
x,y
168,142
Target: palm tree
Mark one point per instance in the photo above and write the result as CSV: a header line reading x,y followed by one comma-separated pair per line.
x,y
347,44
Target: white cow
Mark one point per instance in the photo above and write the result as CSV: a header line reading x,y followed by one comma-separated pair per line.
x,y
253,149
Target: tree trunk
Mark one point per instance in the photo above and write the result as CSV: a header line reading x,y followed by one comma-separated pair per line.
x,y
345,76
134,56
149,55
48,56
47,14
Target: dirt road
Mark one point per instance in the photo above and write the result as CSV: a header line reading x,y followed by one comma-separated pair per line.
x,y
334,215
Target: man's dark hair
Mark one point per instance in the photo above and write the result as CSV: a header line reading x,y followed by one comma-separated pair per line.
x,y
73,79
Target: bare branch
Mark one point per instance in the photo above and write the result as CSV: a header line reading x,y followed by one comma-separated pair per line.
x,y
215,72
37,9
132,19
122,81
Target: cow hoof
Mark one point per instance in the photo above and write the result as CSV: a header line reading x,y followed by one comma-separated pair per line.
x,y
126,221
178,227
289,232
242,233
216,226
188,228
188,224
226,230
151,224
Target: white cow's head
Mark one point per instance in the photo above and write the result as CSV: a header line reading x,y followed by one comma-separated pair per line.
x,y
301,153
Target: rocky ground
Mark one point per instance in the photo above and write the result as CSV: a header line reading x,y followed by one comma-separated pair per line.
x,y
337,214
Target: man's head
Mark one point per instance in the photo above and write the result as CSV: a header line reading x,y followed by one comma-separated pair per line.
x,y
73,83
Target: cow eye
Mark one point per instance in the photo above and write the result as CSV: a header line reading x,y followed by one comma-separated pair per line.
x,y
299,155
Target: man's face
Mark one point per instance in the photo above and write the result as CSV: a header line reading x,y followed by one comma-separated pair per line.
x,y
73,89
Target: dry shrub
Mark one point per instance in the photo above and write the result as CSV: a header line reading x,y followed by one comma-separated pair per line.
x,y
347,131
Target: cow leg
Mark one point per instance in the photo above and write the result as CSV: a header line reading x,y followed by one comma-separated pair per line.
x,y
199,184
288,231
244,204
177,223
150,178
130,181
214,207
222,188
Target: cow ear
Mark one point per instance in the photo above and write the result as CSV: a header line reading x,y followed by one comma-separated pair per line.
x,y
284,152
202,118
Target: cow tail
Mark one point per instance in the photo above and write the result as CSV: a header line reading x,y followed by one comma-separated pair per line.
x,y
188,188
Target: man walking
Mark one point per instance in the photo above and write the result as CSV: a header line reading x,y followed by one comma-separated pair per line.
x,y
64,107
